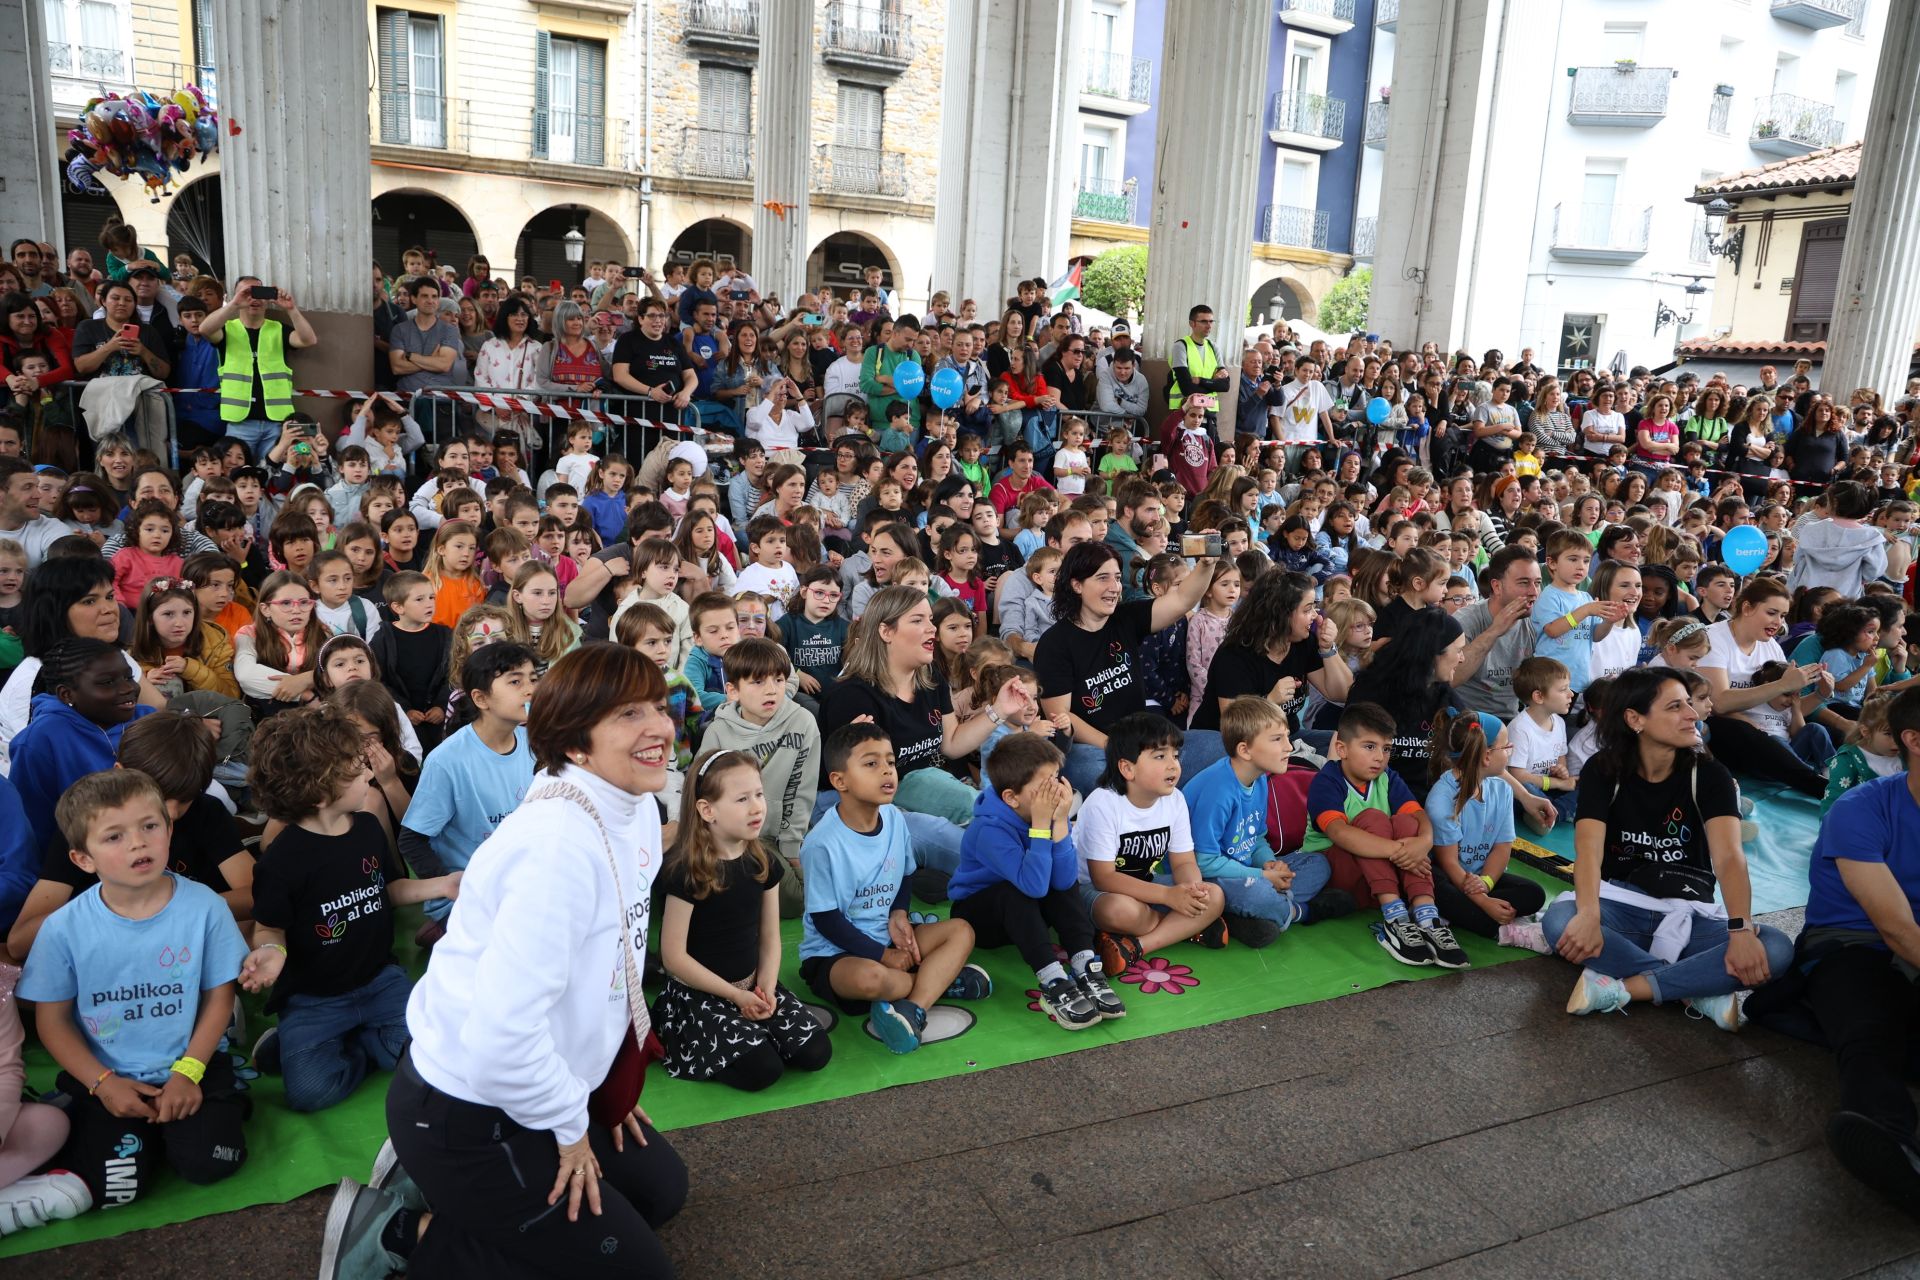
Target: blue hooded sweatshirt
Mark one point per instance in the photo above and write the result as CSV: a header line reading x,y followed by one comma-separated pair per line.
x,y
19,856
996,848
58,747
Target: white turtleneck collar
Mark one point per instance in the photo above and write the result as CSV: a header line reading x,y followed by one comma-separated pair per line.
x,y
618,808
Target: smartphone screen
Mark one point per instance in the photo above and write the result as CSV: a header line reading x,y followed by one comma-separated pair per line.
x,y
264,292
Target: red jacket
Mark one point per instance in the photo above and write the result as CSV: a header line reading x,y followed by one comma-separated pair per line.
x,y
1028,395
55,344
1005,496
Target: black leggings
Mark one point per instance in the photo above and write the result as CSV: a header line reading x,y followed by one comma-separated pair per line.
x,y
1001,914
119,1159
1462,912
488,1179
1763,755
1867,1010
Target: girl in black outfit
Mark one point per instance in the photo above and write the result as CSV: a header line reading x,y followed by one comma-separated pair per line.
x,y
1413,679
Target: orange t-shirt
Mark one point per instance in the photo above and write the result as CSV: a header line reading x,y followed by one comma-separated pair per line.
x,y
455,597
233,617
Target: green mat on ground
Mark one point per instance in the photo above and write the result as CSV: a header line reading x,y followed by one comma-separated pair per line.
x,y
1188,986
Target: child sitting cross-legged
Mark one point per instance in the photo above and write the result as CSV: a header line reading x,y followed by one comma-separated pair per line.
x,y
1378,840
1136,820
137,1044
723,1015
1018,880
758,718
1471,806
856,943
1227,802
323,934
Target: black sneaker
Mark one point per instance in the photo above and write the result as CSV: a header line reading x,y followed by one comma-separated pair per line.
x,y
1093,984
1404,941
1447,952
1252,931
1214,937
266,1052
1068,1004
1329,904
1885,1160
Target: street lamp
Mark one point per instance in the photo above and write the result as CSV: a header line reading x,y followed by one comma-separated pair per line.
x,y
1719,242
574,245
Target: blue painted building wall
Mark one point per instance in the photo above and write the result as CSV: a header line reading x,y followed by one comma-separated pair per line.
x,y
1347,71
1149,34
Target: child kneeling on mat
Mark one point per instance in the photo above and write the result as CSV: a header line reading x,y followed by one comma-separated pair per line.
x,y
857,945
723,1015
323,932
1018,878
138,1046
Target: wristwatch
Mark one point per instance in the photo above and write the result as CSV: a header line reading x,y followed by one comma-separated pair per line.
x,y
1737,924
995,718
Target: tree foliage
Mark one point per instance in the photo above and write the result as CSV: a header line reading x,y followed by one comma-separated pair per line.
x,y
1116,280
1344,309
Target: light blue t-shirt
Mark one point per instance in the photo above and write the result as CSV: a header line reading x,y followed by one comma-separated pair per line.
x,y
854,874
1485,821
1573,650
466,790
1229,821
1842,663
136,984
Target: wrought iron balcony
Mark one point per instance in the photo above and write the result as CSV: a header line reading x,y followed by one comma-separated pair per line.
x,y
1115,75
1365,232
871,37
410,118
725,154
1310,120
1294,225
1103,200
1786,124
1600,232
1386,14
1624,95
1720,111
1376,124
1817,15
728,25
1328,17
863,171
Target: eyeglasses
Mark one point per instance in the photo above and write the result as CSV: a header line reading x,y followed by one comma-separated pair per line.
x,y
304,603
1457,600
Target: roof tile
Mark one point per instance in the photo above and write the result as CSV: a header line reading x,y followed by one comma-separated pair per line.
x,y
1831,166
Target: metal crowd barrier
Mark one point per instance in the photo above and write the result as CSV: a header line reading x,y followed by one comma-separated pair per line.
x,y
624,423
68,393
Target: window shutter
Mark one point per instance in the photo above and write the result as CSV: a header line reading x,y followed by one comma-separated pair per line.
x,y
590,97
203,32
396,67
859,123
725,99
542,54
1816,281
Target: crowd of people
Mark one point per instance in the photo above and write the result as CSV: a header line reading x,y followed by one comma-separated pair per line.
x,y
1035,641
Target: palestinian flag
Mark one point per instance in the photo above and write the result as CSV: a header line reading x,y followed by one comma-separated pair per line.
x,y
1067,287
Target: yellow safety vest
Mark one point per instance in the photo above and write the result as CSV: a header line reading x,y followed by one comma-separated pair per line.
x,y
1202,362
238,359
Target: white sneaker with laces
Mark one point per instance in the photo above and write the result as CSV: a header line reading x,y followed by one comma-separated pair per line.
x,y
42,1198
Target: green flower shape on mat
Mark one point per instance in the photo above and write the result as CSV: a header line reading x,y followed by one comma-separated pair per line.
x,y
1157,974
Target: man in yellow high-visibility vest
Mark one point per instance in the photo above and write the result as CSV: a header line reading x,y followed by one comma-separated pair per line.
x,y
256,383
1195,361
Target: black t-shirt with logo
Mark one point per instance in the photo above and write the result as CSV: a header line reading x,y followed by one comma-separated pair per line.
x,y
329,894
1237,671
1656,831
723,933
655,362
203,838
917,728
1094,669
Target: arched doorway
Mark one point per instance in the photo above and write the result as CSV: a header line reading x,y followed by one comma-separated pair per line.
x,y
1278,299
841,261
723,243
403,219
194,225
83,216
541,251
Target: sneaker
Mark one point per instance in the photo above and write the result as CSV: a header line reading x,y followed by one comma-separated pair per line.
x,y
389,1176
1093,984
1329,904
1403,940
1527,935
1252,931
42,1198
1069,1005
1117,951
1722,1011
1597,993
266,1051
972,983
1215,936
1883,1158
1447,952
351,1248
896,1024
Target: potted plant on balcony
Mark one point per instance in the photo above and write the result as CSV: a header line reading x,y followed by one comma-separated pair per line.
x,y
1766,129
1625,65
1386,92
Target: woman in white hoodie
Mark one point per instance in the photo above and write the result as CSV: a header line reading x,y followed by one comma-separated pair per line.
x,y
523,1008
1842,551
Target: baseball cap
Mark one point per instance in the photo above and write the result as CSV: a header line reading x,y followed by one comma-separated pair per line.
x,y
1120,327
142,268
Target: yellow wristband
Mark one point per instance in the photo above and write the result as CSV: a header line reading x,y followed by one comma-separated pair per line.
x,y
1546,782
1571,621
192,1068
1488,880
276,946
1039,833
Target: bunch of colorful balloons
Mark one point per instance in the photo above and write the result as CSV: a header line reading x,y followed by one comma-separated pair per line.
x,y
139,134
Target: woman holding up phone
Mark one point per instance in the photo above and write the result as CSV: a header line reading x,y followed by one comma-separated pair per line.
x,y
119,345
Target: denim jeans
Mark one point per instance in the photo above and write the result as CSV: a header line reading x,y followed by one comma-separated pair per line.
x,y
1564,802
1701,969
1254,895
327,1044
1084,766
936,841
257,434
1814,744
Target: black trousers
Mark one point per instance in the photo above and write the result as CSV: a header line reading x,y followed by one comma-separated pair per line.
x,y
1460,911
119,1159
1764,756
488,1179
1002,914
1867,1010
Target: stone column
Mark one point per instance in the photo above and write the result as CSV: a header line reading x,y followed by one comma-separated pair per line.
x,y
29,148
1212,81
1876,310
783,148
295,182
1010,99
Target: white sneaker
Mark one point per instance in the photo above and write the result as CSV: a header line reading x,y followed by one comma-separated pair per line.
x,y
1722,1011
1597,993
47,1197
1527,935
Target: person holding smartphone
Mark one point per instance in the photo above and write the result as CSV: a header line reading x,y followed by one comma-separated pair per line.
x,y
256,383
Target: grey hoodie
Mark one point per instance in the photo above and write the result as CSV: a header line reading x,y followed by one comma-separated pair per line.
x,y
1838,554
788,749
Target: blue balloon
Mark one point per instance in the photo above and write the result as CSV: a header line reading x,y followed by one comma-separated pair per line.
x,y
1744,549
909,378
948,387
1378,410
